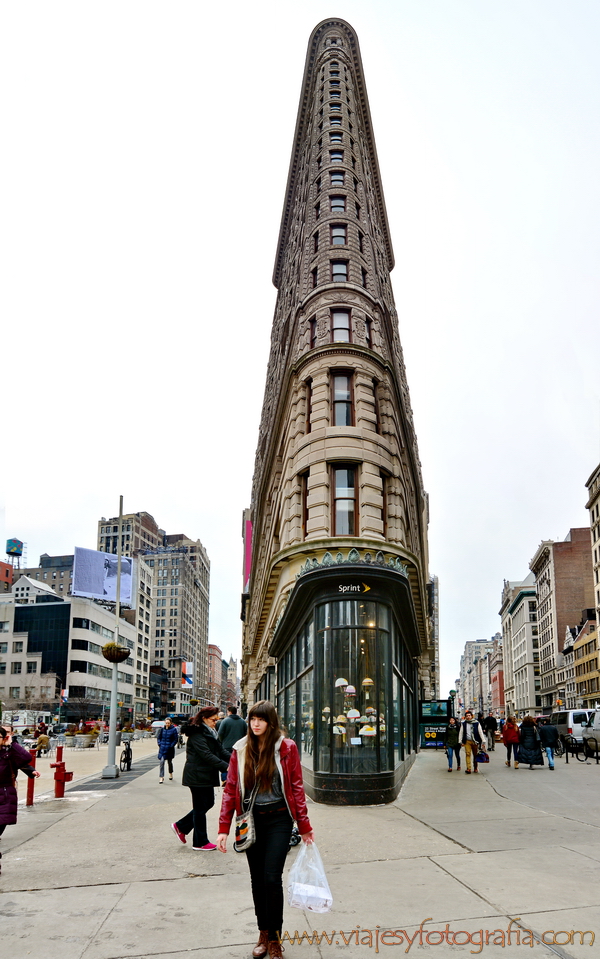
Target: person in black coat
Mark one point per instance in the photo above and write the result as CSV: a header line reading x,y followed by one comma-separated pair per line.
x,y
530,750
548,739
205,757
489,726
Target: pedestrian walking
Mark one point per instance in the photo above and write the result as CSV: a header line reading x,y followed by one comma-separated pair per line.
x,y
490,725
451,737
549,737
167,737
12,758
510,738
530,750
471,737
204,758
265,759
230,730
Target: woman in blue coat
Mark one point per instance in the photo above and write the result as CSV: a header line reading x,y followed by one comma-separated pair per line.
x,y
167,740
12,758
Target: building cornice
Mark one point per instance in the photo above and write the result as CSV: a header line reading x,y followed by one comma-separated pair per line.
x,y
304,118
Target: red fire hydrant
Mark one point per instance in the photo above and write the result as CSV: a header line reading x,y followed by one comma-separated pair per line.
x,y
31,782
61,776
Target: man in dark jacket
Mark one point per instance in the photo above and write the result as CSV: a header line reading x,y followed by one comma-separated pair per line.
x,y
230,730
548,739
490,725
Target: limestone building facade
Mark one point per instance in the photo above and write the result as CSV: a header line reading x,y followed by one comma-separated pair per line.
x,y
337,621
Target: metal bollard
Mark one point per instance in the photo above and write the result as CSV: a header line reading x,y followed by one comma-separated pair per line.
x,y
61,776
31,782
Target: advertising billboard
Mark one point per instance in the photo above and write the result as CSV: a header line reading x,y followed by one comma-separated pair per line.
x,y
95,576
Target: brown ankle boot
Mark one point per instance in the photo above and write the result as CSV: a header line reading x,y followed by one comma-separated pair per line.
x,y
261,946
275,949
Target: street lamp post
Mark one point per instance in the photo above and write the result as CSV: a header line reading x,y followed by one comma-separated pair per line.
x,y
115,654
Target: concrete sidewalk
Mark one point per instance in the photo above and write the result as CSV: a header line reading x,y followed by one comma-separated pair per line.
x,y
100,874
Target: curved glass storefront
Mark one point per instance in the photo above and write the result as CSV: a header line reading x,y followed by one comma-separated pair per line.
x,y
347,695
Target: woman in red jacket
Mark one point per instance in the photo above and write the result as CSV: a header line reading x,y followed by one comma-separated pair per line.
x,y
510,737
266,759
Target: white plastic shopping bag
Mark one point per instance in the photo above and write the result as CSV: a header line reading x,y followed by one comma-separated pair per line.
x,y
307,883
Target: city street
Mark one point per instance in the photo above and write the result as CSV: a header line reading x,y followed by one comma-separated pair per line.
x,y
100,874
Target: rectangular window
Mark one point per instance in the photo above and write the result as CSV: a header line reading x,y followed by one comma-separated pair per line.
x,y
335,121
338,235
336,156
308,404
336,137
337,204
340,326
384,487
17,647
344,500
314,273
342,399
16,668
363,274
360,242
313,332
316,242
339,271
337,178
317,210
32,667
357,210
304,494
369,333
14,692
335,106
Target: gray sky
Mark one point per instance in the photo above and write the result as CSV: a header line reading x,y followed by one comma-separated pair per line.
x,y
146,149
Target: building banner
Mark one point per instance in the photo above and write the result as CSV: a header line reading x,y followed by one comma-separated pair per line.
x,y
187,675
95,575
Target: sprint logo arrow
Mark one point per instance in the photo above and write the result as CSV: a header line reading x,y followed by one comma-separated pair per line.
x,y
366,588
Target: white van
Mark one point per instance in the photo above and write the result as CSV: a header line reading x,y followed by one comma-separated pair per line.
x,y
570,722
591,732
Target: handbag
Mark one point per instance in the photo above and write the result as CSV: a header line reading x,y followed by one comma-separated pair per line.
x,y
482,757
245,830
307,883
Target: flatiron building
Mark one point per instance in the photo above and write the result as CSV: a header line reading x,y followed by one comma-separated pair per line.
x,y
337,602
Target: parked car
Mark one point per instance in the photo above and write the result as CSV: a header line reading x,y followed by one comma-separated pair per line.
x,y
570,722
591,732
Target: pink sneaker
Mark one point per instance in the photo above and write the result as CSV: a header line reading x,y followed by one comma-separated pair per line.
x,y
180,835
208,848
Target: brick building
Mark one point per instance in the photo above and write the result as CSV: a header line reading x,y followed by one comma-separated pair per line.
x,y
564,583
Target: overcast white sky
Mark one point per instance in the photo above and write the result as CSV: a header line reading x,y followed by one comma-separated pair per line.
x,y
145,154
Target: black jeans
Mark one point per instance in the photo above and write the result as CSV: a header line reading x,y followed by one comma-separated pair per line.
x,y
203,799
266,859
515,751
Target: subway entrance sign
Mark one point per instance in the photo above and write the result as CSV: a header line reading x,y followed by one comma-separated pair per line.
x,y
433,719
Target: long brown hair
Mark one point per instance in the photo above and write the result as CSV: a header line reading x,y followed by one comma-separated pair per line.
x,y
260,750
